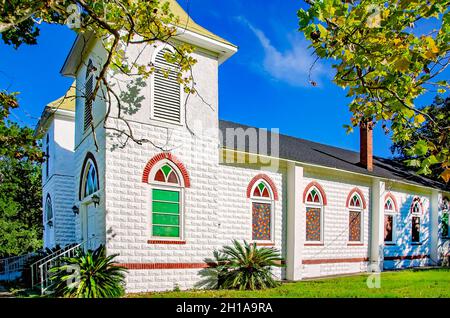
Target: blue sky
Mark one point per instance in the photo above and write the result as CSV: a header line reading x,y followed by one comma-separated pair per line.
x,y
265,84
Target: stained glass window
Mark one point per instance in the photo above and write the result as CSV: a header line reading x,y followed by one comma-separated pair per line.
x,y
389,221
355,226
261,191
388,205
416,207
445,230
416,210
314,196
91,180
355,201
166,174
314,216
313,224
262,208
388,228
261,215
415,236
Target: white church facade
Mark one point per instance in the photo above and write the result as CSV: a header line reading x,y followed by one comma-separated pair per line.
x,y
165,205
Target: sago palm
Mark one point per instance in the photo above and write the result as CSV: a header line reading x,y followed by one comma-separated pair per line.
x,y
245,266
89,274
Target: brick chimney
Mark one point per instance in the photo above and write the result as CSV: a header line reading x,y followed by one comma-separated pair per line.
x,y
366,145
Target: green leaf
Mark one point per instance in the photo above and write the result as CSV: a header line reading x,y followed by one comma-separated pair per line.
x,y
421,148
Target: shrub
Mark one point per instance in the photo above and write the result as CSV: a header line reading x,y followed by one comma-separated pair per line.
x,y
89,274
246,267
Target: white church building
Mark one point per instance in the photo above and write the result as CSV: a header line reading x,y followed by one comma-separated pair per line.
x,y
165,205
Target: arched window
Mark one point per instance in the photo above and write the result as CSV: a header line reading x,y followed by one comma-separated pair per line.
x,y
390,222
356,209
262,211
88,91
48,212
314,215
445,211
416,215
166,102
89,179
166,198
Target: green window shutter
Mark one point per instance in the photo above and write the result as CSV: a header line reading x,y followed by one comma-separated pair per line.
x,y
165,213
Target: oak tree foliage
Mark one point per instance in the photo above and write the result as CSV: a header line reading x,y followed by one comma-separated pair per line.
x,y
386,63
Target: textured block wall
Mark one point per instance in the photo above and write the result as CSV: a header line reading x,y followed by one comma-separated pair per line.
x,y
235,212
61,193
128,209
337,255
404,253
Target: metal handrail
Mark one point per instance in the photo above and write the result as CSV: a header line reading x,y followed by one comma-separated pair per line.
x,y
13,264
44,268
35,266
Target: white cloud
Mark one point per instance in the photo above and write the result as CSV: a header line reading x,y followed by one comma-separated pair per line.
x,y
291,66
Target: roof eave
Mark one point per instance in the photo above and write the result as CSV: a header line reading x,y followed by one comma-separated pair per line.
x,y
224,50
70,66
367,175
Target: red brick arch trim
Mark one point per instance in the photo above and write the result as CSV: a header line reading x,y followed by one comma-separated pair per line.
x,y
361,195
391,196
166,156
267,179
319,187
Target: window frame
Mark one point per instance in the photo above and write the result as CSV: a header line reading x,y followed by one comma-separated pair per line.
x,y
390,212
152,95
157,185
48,203
89,163
263,200
416,202
359,209
443,212
315,205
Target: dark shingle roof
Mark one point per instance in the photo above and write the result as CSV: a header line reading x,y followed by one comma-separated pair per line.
x,y
306,151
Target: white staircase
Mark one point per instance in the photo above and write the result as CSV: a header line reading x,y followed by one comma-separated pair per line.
x,y
40,270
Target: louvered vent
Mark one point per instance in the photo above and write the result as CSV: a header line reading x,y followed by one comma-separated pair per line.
x,y
88,103
88,88
166,91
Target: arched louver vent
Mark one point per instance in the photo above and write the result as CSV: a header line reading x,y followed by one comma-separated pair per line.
x,y
166,90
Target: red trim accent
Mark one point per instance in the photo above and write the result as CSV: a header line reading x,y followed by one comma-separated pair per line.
x,y
265,244
138,266
332,261
162,156
355,244
390,195
361,195
402,258
167,242
319,187
265,178
314,244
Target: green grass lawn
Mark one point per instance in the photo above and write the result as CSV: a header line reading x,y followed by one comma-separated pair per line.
x,y
409,283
